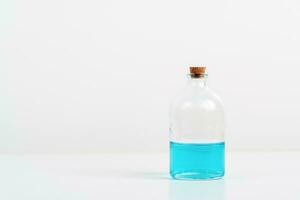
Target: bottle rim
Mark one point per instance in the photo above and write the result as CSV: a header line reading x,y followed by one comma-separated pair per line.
x,y
201,76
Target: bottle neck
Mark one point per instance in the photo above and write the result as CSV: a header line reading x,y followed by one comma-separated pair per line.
x,y
196,82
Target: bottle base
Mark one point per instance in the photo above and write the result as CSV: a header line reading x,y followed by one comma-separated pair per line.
x,y
199,175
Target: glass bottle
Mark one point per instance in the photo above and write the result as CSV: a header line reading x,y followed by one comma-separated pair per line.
x,y
197,131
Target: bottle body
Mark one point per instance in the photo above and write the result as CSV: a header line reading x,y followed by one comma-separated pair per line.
x,y
197,133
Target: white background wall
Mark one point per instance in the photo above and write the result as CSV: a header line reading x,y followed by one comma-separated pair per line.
x,y
92,76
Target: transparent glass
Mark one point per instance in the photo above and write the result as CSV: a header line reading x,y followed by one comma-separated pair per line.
x,y
197,133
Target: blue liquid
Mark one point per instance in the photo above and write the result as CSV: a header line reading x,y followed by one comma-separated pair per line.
x,y
197,160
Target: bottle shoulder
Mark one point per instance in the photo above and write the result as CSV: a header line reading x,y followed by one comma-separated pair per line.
x,y
204,97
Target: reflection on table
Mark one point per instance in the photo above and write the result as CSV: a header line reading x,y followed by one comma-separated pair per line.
x,y
197,190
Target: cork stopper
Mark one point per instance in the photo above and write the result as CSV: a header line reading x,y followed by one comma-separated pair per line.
x,y
197,72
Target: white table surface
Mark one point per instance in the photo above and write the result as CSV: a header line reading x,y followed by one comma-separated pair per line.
x,y
257,175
